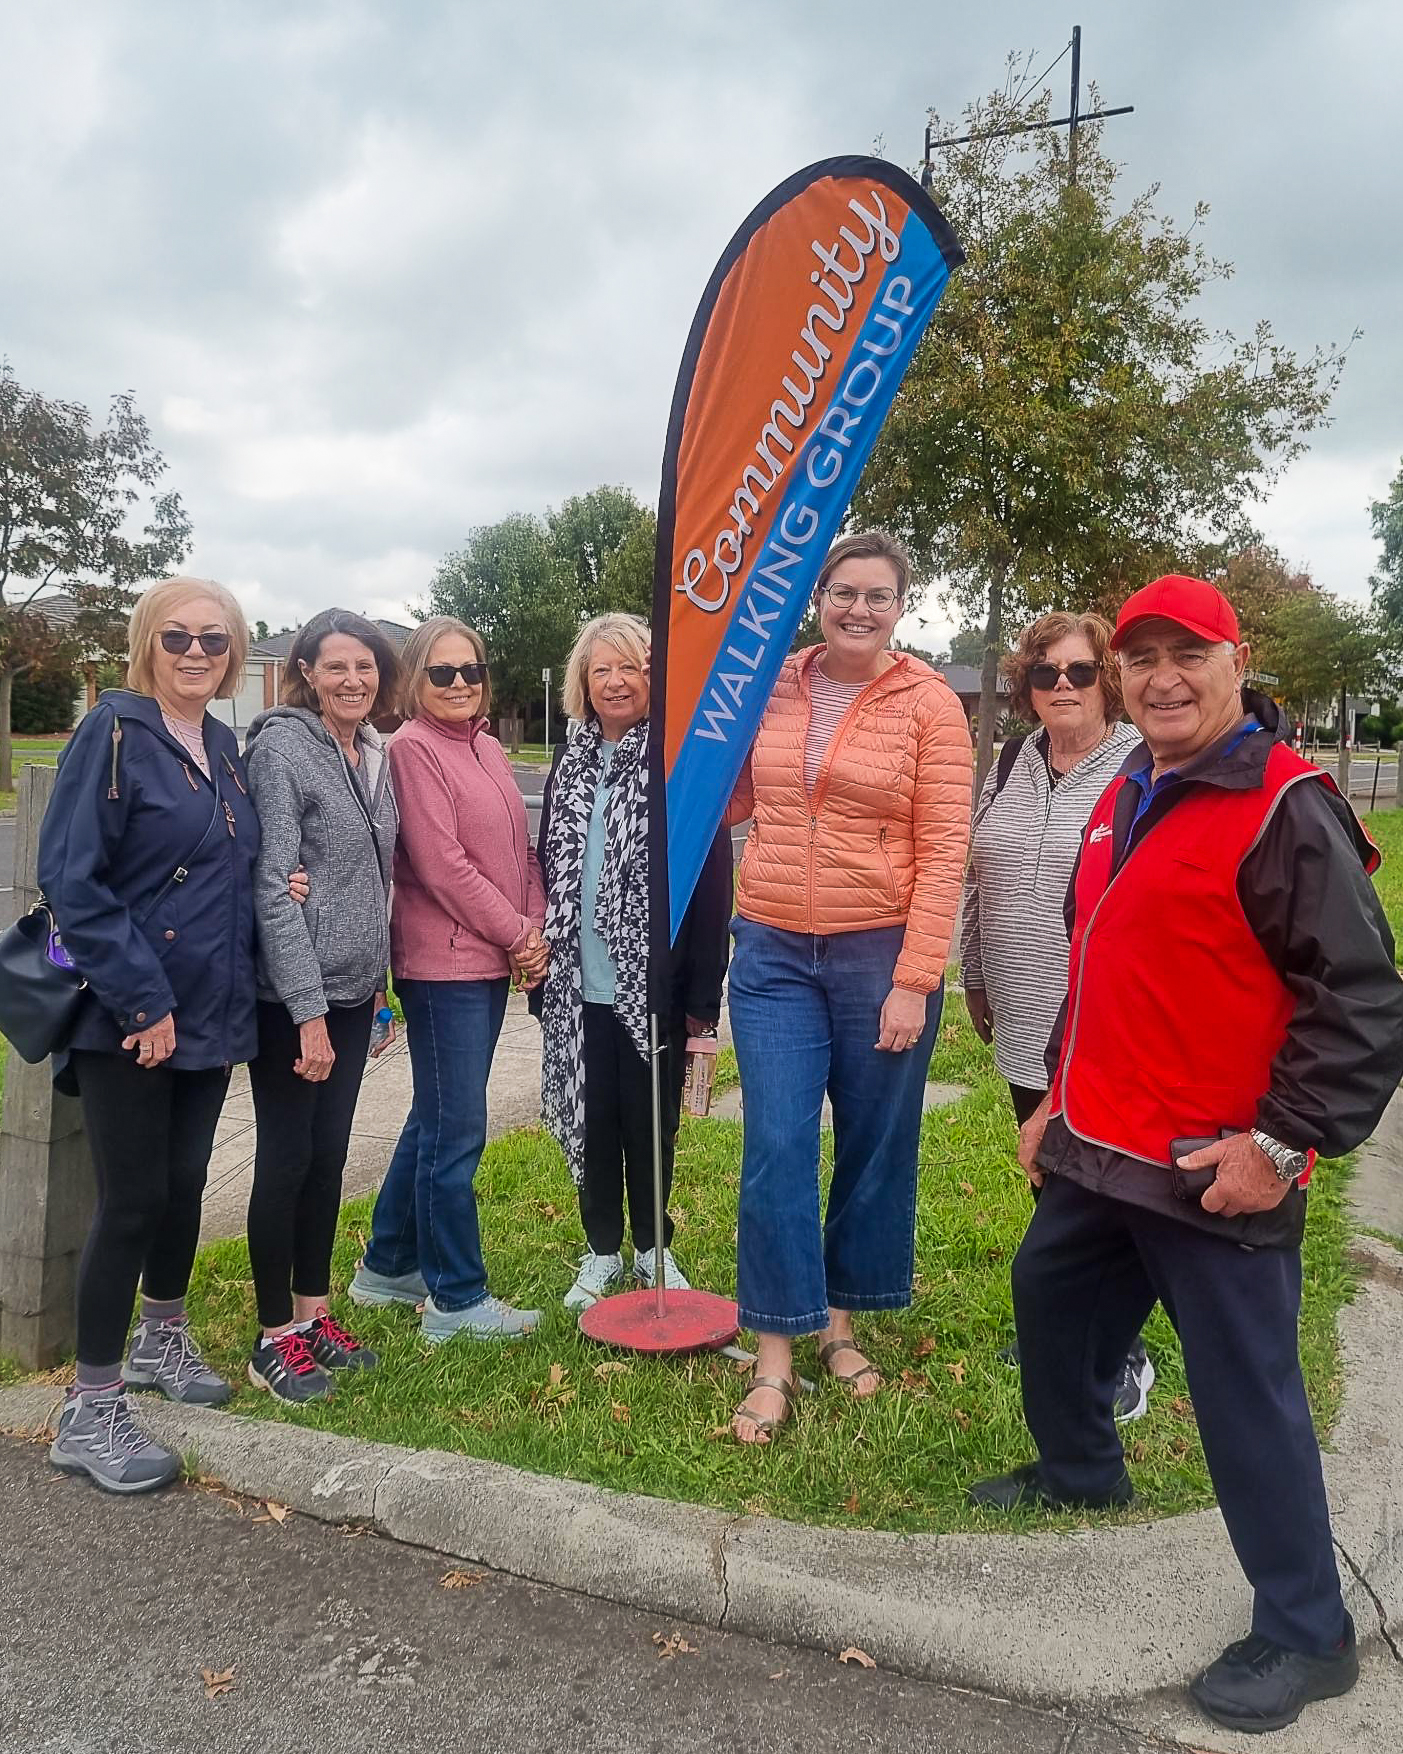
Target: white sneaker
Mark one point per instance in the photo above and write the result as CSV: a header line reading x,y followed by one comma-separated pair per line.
x,y
597,1273
645,1270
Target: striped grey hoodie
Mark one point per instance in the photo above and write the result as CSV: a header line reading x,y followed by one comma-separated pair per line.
x,y
1023,850
314,810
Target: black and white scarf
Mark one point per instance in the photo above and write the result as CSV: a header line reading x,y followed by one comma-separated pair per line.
x,y
620,918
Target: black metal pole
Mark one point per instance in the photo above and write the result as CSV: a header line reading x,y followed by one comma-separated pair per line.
x,y
1032,127
1076,100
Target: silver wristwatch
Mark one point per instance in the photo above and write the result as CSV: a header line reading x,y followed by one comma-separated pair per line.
x,y
1287,1163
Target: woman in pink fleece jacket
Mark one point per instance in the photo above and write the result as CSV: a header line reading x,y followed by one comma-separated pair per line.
x,y
466,919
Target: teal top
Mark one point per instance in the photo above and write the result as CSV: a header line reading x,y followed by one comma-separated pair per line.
x,y
596,967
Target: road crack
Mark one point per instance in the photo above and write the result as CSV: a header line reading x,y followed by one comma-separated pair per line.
x,y
1379,1609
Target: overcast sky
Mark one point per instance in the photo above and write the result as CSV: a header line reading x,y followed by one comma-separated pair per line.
x,y
379,272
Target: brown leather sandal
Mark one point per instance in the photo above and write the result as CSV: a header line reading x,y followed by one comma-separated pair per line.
x,y
828,1353
784,1387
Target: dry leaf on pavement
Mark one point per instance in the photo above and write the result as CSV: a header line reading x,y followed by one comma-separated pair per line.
x,y
460,1580
853,1655
672,1644
779,1675
273,1513
217,1681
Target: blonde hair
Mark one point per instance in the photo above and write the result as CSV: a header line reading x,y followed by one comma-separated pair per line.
x,y
158,605
418,649
630,634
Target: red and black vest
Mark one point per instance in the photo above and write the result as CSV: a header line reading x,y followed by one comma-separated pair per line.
x,y
1174,1012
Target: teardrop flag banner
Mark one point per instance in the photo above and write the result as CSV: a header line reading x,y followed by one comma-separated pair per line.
x,y
801,339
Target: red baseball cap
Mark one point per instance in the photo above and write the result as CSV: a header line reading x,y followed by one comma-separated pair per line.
x,y
1193,603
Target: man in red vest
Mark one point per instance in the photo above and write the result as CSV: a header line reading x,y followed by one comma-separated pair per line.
x,y
1233,1009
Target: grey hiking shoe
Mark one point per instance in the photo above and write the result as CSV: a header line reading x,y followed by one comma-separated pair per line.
x,y
97,1436
164,1356
375,1290
489,1319
594,1278
645,1270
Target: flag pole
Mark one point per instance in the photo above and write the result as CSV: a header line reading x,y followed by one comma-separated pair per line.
x,y
659,1215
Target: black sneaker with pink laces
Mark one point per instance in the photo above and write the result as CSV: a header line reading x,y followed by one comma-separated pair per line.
x,y
283,1364
335,1349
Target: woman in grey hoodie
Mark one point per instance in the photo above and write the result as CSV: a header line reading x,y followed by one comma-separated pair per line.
x,y
319,775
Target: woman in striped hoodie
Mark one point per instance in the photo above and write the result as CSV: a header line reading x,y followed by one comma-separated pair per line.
x,y
1028,823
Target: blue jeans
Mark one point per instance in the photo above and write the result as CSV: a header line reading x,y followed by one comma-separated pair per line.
x,y
426,1215
805,1017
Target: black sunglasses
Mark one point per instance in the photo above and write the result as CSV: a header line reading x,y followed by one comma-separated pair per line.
x,y
177,642
1081,674
441,675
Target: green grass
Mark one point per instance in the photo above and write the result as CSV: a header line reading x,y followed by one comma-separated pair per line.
x,y
31,752
1386,826
902,1460
531,752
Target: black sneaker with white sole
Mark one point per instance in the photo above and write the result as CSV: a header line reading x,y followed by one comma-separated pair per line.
x,y
1133,1390
284,1365
335,1349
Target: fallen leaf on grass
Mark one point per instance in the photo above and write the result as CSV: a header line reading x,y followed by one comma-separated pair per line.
x,y
957,1370
914,1383
672,1644
546,1210
967,1188
851,1504
853,1655
923,1347
217,1681
620,1413
960,1417
717,1432
1182,1407
558,1373
610,1367
460,1580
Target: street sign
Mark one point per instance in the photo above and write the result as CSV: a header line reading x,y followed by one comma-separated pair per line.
x,y
1261,676
545,675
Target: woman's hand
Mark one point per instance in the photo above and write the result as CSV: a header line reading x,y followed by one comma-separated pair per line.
x,y
299,885
154,1044
382,1003
1030,1138
903,1020
977,1004
317,1056
530,963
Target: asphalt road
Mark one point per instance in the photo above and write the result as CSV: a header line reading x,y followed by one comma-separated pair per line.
x,y
336,1643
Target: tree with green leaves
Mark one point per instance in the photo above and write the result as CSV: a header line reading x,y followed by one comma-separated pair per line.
x,y
68,494
1386,515
1069,426
1325,649
605,540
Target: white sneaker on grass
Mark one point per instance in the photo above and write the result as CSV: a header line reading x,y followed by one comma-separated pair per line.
x,y
597,1273
645,1270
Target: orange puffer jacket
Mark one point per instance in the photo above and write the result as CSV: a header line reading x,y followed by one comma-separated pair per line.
x,y
882,840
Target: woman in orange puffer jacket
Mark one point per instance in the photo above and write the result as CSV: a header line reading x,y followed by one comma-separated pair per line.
x,y
859,785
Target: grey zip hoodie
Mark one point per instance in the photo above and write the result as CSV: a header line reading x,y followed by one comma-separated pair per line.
x,y
315,811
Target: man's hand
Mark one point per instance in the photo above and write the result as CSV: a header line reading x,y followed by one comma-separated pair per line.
x,y
1030,1137
903,1021
1247,1179
317,1056
154,1044
977,1004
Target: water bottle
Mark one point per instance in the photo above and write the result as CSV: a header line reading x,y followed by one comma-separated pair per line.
x,y
380,1028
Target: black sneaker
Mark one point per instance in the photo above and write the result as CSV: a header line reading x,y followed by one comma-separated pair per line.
x,y
1010,1356
335,1349
1257,1685
285,1367
1024,1486
1133,1390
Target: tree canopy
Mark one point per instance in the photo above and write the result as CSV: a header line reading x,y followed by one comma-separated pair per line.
x,y
1386,516
1069,425
69,491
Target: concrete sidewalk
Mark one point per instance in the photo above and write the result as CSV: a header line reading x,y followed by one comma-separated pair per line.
x,y
513,1098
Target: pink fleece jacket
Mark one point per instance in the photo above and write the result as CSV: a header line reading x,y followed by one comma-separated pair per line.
x,y
467,884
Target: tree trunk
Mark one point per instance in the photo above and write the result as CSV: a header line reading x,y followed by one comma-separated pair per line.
x,y
7,689
989,676
1342,766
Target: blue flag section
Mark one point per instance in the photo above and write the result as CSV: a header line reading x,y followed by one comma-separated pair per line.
x,y
795,355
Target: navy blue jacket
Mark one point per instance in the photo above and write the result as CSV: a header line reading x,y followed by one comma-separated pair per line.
x,y
124,817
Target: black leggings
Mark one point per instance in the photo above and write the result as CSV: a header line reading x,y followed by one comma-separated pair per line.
x,y
151,1131
619,1131
303,1132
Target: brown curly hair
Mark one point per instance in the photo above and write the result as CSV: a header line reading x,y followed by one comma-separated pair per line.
x,y
1032,648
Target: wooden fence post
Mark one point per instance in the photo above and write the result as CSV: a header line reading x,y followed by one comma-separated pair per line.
x,y
46,1173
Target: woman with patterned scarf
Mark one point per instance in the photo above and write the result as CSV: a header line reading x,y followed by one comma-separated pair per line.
x,y
596,1087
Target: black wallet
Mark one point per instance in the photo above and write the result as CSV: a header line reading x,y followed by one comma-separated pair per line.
x,y
1192,1184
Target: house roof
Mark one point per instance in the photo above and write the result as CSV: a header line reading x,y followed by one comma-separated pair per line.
x,y
57,608
278,645
964,680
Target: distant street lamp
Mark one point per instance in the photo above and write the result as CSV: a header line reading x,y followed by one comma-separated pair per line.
x,y
545,677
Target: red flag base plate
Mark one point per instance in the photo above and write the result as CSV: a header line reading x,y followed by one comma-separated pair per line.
x,y
692,1321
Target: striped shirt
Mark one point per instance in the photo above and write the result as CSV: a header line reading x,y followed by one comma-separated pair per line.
x,y
1024,848
828,702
